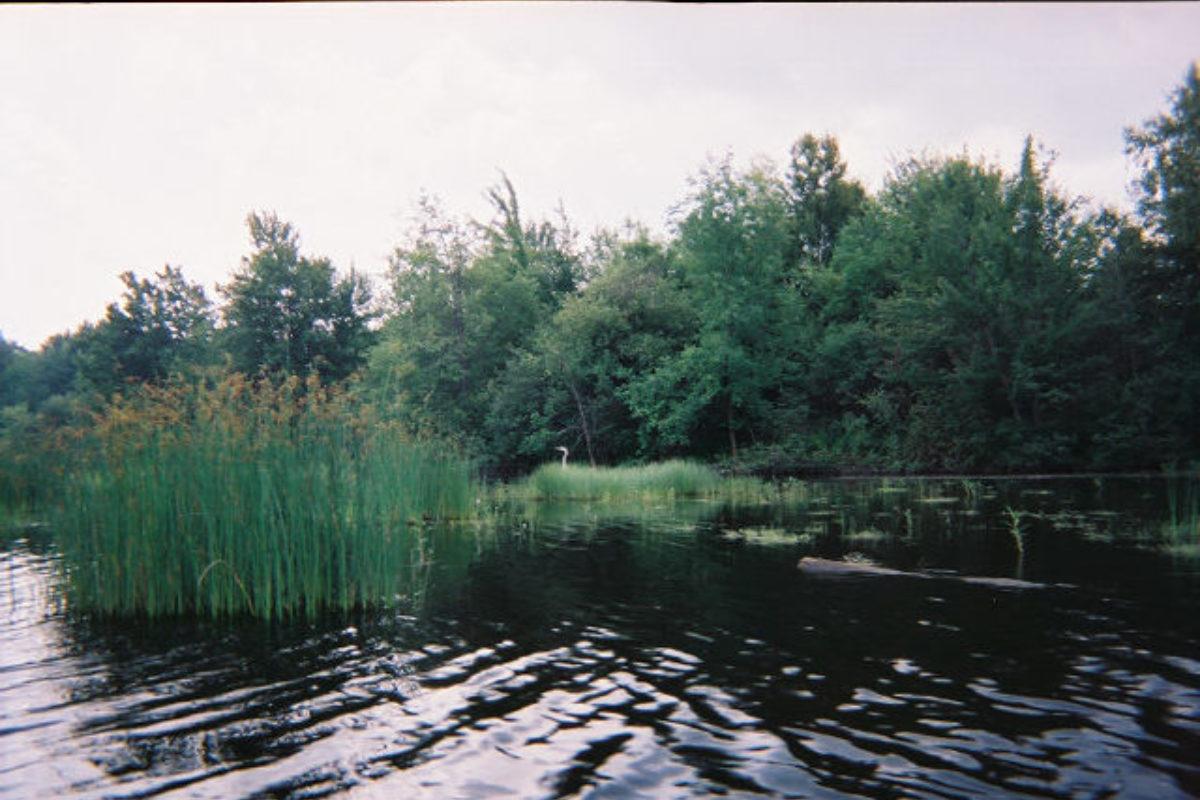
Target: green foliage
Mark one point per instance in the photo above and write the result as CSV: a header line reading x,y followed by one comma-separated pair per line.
x,y
425,366
30,463
574,383
469,300
291,314
161,326
964,318
821,199
49,374
732,245
977,287
1167,150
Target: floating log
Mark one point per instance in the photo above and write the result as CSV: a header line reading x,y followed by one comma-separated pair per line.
x,y
824,567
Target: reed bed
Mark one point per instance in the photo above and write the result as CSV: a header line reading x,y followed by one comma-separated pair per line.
x,y
675,478
1182,530
232,496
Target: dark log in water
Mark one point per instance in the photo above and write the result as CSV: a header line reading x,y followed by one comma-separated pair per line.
x,y
828,567
824,567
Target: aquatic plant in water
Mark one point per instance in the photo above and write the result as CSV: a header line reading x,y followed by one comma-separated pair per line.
x,y
238,496
1182,530
1018,536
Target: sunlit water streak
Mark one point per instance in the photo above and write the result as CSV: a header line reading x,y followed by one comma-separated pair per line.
x,y
603,661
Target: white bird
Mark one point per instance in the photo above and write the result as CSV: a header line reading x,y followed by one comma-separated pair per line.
x,y
565,452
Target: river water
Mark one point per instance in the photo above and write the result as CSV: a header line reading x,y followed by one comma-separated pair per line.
x,y
662,651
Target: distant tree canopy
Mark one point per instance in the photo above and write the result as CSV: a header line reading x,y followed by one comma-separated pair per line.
x,y
965,317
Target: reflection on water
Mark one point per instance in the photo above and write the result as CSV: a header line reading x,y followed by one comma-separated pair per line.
x,y
663,652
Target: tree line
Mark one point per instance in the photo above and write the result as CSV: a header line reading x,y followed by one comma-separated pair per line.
x,y
964,317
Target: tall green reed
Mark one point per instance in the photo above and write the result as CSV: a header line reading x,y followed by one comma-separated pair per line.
x,y
229,496
1183,506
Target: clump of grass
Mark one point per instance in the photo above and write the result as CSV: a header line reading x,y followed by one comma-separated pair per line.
x,y
748,490
233,496
865,535
675,478
1183,505
767,536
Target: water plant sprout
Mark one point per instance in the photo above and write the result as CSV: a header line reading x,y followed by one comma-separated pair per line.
x,y
1018,536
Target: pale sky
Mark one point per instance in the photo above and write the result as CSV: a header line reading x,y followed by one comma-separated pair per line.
x,y
133,136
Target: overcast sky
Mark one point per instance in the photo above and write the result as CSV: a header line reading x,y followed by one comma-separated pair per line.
x,y
133,136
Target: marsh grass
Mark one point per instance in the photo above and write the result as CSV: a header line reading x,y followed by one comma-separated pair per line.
x,y
769,536
1181,534
231,496
675,478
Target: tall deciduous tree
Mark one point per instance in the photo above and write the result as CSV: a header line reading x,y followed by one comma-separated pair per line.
x,y
542,251
1167,150
981,326
160,326
570,385
821,199
732,241
426,366
469,299
289,313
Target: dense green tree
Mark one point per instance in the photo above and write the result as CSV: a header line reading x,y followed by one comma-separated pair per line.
x,y
976,283
468,301
821,199
288,313
732,242
46,380
562,382
160,326
424,366
1167,150
643,282
40,380
542,251
843,351
1133,395
9,388
570,386
954,373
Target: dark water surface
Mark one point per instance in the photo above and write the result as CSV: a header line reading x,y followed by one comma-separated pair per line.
x,y
662,652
